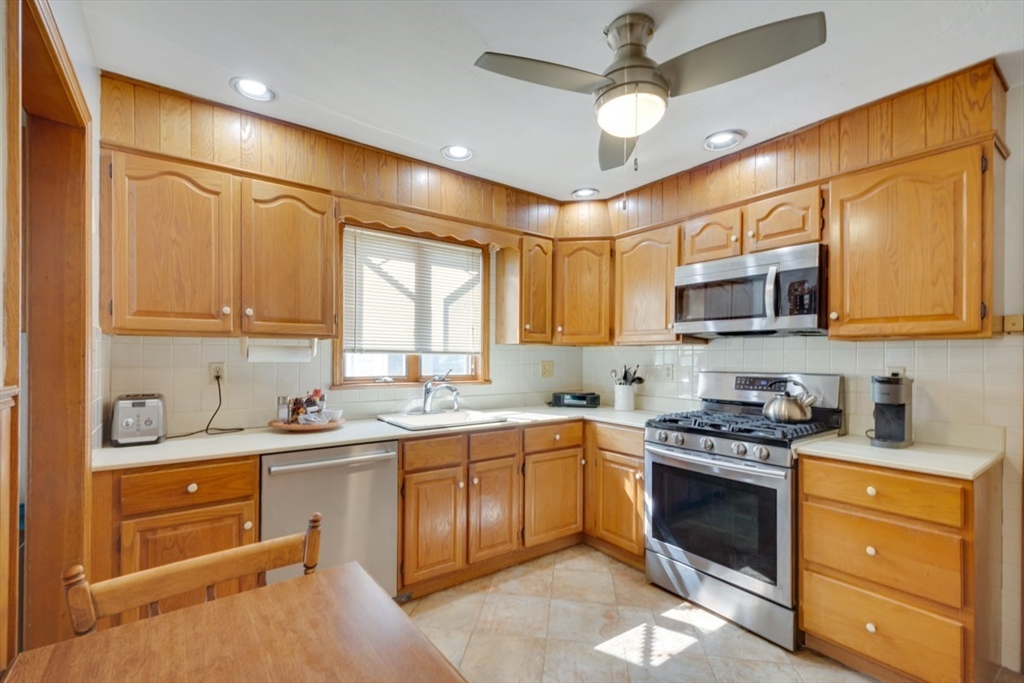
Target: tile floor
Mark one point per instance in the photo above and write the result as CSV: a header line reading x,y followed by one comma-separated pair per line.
x,y
578,615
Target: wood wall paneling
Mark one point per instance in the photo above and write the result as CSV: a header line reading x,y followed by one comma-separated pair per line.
x,y
972,101
147,119
202,131
807,160
853,140
880,132
786,162
938,108
175,125
117,102
908,123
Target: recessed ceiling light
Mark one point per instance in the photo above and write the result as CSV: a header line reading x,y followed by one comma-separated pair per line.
x,y
584,193
254,90
725,139
457,152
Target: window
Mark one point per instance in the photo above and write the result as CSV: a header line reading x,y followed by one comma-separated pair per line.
x,y
413,308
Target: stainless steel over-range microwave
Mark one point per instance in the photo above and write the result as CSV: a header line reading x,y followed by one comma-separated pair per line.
x,y
781,291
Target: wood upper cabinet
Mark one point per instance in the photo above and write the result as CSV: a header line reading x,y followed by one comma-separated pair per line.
x,y
433,523
644,286
619,500
171,236
783,221
289,249
714,236
583,272
494,508
535,290
554,495
157,540
906,248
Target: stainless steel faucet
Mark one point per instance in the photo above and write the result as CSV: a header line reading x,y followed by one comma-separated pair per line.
x,y
430,389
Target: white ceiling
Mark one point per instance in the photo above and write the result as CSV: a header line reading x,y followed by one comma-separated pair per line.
x,y
399,75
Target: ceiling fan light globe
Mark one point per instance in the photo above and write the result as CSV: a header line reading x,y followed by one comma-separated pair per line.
x,y
629,110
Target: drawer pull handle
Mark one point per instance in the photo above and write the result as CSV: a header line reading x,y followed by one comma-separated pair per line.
x,y
476,480
247,526
872,491
870,627
871,551
462,484
192,488
558,437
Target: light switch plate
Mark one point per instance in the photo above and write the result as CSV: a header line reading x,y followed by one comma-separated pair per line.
x,y
547,368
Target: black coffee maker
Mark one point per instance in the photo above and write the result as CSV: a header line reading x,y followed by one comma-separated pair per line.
x,y
894,422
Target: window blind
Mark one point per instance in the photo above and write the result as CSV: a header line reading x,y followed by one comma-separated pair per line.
x,y
409,294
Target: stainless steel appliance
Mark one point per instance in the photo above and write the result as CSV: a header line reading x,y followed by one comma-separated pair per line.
x,y
355,488
781,291
720,487
138,419
894,407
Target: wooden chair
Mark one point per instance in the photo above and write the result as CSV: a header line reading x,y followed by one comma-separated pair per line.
x,y
87,604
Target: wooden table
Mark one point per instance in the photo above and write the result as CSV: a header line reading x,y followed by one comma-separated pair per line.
x,y
334,625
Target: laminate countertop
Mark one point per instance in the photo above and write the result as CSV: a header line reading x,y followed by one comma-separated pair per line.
x,y
944,461
262,441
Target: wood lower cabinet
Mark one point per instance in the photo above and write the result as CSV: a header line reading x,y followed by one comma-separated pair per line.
x,y
433,523
495,508
8,532
582,293
170,247
713,236
150,516
644,287
614,487
289,256
785,220
896,570
553,501
907,249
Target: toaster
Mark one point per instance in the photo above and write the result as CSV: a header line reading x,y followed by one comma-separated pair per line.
x,y
138,419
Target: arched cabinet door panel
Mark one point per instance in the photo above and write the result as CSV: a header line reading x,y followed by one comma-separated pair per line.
x,y
644,286
583,288
713,236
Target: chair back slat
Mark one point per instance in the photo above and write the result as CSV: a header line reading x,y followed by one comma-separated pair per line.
x,y
87,604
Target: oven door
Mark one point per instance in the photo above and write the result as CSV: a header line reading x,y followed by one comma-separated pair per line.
x,y
727,518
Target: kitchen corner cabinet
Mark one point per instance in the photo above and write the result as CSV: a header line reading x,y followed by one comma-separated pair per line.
x,y
644,286
524,293
615,486
171,251
582,291
553,506
289,257
151,516
785,220
896,569
906,249
713,236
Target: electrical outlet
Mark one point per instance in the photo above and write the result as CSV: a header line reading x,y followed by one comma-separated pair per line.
x,y
547,368
895,370
217,371
668,369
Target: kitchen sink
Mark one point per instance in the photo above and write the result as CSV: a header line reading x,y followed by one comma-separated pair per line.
x,y
441,420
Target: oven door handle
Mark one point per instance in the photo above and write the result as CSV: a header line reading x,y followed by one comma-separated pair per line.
x,y
776,473
769,293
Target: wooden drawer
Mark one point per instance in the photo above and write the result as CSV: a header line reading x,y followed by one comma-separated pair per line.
x,y
439,451
625,440
183,487
929,498
905,638
490,445
910,559
550,437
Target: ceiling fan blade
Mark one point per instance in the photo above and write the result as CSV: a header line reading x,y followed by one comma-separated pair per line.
x,y
613,152
543,73
743,53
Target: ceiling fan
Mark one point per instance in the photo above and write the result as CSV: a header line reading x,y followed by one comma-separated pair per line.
x,y
632,94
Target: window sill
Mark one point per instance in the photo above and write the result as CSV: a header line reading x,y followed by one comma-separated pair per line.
x,y
401,385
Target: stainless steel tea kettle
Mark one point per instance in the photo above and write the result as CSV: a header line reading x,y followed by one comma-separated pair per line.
x,y
786,408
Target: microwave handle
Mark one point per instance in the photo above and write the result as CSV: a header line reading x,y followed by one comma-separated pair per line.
x,y
769,294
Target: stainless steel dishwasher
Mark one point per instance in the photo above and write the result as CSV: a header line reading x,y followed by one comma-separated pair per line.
x,y
355,488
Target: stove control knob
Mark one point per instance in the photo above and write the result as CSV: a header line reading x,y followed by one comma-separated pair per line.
x,y
663,436
678,438
739,449
707,444
761,452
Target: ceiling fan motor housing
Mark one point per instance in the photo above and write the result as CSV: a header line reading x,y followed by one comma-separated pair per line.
x,y
631,69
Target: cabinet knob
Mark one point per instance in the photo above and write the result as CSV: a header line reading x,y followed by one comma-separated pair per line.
x,y
638,475
833,316
750,233
583,461
247,526
734,238
248,312
226,310
872,490
669,328
558,437
870,627
559,328
476,480
192,488
870,550
527,325
462,484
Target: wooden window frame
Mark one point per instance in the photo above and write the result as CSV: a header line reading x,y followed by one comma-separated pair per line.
x,y
413,377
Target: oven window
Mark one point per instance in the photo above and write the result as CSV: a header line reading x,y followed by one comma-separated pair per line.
x,y
738,298
730,523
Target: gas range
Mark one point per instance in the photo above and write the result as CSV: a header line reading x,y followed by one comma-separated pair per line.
x,y
730,423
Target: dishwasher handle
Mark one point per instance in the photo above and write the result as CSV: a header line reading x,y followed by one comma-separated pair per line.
x,y
337,462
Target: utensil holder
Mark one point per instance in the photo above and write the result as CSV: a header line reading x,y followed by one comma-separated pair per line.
x,y
624,396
